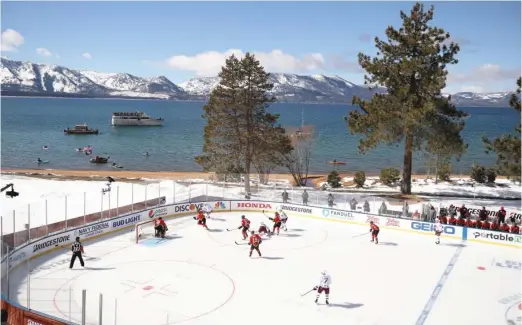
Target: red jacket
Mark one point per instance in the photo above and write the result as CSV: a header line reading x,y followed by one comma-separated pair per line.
x,y
245,223
374,227
485,225
461,222
494,226
504,227
160,222
443,220
514,229
453,221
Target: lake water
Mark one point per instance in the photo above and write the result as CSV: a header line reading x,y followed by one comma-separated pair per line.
x,y
28,124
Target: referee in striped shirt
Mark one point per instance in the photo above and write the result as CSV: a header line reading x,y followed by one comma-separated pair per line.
x,y
77,250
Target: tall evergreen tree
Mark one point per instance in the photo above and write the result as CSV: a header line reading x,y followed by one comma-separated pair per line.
x,y
239,132
507,147
411,64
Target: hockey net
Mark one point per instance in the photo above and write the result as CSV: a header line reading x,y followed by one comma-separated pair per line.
x,y
144,230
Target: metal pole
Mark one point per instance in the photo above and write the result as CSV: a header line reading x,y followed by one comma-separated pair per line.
x,y
14,228
84,206
159,194
110,194
66,212
70,303
132,197
84,303
115,311
46,224
28,223
206,192
174,191
28,287
118,200
2,240
146,186
7,272
190,190
101,310
101,211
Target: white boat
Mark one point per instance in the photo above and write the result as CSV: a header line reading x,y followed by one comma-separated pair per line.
x,y
134,119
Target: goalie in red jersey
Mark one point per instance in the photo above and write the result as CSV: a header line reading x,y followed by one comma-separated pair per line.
x,y
245,225
202,220
374,229
160,228
277,223
255,241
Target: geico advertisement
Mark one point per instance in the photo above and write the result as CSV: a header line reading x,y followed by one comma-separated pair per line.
x,y
430,227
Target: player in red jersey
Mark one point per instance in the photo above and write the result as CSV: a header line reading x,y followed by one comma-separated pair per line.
x,y
245,225
504,227
255,241
202,220
374,229
277,223
161,227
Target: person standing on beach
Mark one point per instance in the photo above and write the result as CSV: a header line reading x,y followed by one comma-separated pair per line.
x,y
77,250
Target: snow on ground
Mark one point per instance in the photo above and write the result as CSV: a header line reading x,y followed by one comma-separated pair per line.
x,y
199,277
44,201
502,188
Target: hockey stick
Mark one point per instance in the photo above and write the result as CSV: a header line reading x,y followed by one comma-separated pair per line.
x,y
240,244
304,294
359,235
265,214
228,229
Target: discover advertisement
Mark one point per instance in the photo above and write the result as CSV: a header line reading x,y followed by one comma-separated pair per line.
x,y
337,214
187,207
430,227
497,237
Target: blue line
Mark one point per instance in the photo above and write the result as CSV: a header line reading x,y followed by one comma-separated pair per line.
x,y
438,288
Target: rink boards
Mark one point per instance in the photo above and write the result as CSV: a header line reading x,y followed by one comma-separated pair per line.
x,y
46,244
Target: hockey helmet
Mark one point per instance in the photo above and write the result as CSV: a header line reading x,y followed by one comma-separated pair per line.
x,y
324,272
242,217
252,232
371,222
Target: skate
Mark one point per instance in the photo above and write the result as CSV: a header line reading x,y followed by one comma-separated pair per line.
x,y
316,300
327,302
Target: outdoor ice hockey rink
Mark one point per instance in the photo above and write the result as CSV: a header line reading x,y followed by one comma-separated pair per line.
x,y
201,277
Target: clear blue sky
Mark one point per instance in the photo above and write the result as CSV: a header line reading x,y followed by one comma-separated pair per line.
x,y
140,37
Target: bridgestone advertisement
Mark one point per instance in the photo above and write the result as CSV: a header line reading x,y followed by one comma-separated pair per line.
x,y
54,242
296,209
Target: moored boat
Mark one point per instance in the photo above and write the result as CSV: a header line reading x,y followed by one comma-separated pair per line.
x,y
99,160
134,119
80,129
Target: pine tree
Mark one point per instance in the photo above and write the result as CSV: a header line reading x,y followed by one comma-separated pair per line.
x,y
239,132
411,64
507,147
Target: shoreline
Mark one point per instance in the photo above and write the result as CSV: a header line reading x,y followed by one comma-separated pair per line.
x,y
137,175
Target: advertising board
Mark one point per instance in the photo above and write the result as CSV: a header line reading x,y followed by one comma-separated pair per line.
x,y
92,230
337,214
295,209
127,220
253,205
495,237
430,227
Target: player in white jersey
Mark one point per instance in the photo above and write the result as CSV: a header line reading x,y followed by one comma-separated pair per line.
x,y
207,209
438,230
324,285
263,229
283,216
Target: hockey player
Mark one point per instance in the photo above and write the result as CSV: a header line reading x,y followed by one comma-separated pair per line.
x,y
255,241
284,218
207,209
160,227
438,230
245,225
202,220
324,285
374,229
277,223
263,229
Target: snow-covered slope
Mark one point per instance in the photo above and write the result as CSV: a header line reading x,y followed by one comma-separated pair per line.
x,y
26,78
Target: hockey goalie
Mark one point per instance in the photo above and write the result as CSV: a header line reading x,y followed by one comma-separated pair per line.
x,y
160,228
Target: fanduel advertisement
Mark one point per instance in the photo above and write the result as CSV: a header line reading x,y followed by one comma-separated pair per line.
x,y
498,236
337,214
430,227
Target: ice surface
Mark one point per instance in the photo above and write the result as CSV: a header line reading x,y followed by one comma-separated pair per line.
x,y
202,277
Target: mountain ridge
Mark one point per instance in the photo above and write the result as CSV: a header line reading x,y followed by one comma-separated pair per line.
x,y
34,79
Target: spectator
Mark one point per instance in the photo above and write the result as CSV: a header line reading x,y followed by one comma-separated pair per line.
x,y
353,204
416,215
285,196
478,224
383,208
405,210
452,221
504,227
366,206
469,223
494,225
483,214
461,222
305,197
501,215
514,229
452,211
443,220
433,213
463,211
330,200
485,224
512,218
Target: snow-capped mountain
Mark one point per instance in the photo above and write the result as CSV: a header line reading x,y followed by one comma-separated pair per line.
x,y
26,78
